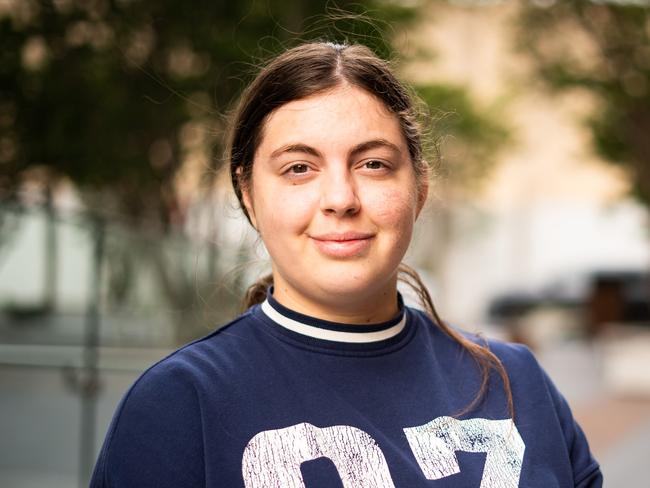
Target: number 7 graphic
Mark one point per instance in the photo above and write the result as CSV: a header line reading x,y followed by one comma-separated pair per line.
x,y
434,445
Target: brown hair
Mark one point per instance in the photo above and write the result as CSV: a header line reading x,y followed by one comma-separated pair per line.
x,y
314,68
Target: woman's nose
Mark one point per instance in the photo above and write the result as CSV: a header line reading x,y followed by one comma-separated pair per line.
x,y
339,195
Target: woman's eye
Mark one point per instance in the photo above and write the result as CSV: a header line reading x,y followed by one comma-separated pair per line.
x,y
298,168
374,164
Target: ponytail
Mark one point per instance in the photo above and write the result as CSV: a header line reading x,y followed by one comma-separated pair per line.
x,y
485,359
256,293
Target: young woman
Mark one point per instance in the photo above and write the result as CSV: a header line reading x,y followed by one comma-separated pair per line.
x,y
328,380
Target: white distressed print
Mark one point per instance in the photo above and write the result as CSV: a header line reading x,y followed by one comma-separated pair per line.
x,y
434,445
272,458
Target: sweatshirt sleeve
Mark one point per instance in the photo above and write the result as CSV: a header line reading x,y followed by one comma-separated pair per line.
x,y
155,438
586,471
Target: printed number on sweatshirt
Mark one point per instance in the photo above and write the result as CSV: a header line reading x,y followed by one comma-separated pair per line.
x,y
272,458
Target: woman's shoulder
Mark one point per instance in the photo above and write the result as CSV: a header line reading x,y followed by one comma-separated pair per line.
x,y
175,381
519,361
526,375
511,354
202,355
162,407
532,388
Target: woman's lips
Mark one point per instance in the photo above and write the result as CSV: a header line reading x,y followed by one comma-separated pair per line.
x,y
343,245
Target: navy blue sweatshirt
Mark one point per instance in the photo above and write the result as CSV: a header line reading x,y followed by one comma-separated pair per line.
x,y
279,399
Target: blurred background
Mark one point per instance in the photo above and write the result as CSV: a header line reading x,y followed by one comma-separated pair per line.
x,y
120,238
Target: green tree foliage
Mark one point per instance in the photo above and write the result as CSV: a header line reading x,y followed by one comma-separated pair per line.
x,y
99,91
602,47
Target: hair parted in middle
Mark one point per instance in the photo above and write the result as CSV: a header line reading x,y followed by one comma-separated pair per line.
x,y
313,68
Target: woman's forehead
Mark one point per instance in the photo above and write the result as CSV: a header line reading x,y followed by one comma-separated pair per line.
x,y
345,115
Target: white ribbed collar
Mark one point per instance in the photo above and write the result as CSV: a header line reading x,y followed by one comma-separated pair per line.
x,y
332,335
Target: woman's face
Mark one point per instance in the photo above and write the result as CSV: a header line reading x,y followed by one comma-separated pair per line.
x,y
334,197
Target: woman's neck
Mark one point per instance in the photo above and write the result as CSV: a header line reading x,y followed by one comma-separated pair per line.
x,y
377,307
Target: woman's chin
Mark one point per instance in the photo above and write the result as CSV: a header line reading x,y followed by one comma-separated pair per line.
x,y
349,293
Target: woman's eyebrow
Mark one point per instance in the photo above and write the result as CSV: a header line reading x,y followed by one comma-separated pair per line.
x,y
359,148
295,148
374,144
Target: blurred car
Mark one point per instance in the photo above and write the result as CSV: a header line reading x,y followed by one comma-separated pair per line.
x,y
603,296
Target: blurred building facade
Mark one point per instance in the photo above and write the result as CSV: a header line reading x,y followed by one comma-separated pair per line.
x,y
550,209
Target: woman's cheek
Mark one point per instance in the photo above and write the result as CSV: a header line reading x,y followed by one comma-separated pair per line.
x,y
395,207
288,208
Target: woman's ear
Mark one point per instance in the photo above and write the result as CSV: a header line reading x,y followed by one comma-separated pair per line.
x,y
248,204
246,197
423,193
